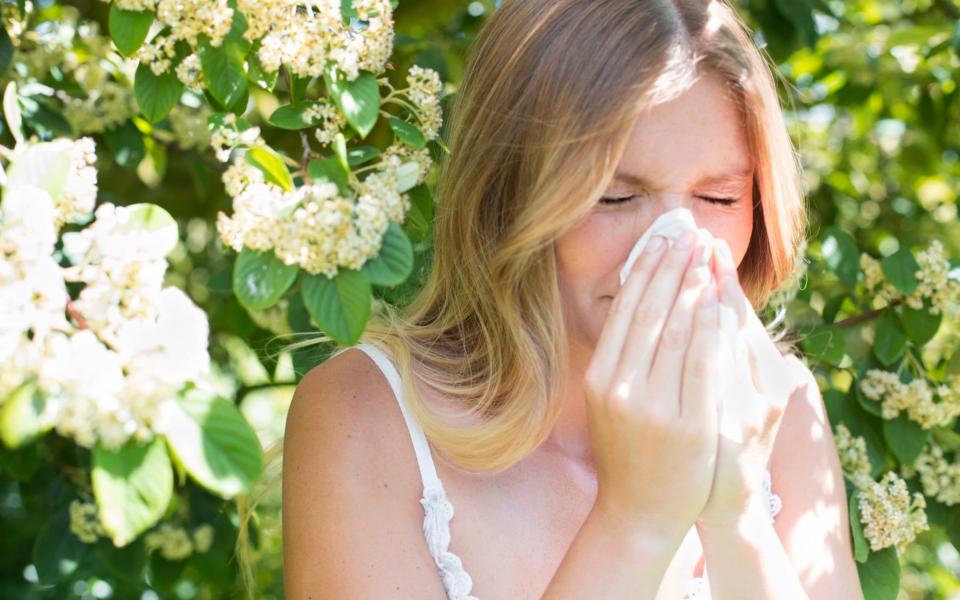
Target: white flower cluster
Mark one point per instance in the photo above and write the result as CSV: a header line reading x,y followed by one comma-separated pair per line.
x,y
85,521
303,35
939,477
424,91
888,514
129,344
330,121
935,284
915,398
176,543
853,456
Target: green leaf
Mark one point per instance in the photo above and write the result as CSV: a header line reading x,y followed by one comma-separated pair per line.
x,y
128,28
953,527
127,563
340,150
842,255
223,65
329,169
861,548
361,154
920,325
290,117
126,144
22,463
824,343
214,443
340,306
11,112
395,260
900,269
347,11
260,278
880,575
6,49
268,161
258,75
358,100
889,340
57,553
874,407
298,87
20,416
408,133
905,438
133,486
421,197
156,94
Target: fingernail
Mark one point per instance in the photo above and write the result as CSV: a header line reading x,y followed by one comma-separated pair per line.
x,y
685,240
655,243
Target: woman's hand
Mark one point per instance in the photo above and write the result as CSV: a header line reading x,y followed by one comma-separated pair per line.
x,y
652,392
757,387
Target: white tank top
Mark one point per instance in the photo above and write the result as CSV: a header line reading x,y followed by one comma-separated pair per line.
x,y
438,511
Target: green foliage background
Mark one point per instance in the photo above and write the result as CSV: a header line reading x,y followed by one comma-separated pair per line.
x,y
871,101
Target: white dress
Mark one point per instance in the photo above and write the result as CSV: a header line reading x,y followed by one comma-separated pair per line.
x,y
438,511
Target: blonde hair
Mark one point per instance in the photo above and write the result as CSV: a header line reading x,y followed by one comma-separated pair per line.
x,y
536,131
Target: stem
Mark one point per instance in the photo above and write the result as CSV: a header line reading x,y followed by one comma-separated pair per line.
x,y
307,151
867,316
395,100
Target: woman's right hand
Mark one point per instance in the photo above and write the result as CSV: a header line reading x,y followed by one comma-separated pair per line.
x,y
651,391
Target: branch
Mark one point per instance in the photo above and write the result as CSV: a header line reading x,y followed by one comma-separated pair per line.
x,y
867,316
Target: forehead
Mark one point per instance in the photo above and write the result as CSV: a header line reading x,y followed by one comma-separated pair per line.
x,y
694,136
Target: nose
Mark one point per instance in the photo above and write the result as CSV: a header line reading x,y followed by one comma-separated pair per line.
x,y
667,201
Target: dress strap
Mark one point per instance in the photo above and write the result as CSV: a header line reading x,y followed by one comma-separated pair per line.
x,y
428,471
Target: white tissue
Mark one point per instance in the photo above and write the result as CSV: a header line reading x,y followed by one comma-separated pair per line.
x,y
669,225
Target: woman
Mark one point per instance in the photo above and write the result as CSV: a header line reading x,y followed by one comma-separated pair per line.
x,y
576,424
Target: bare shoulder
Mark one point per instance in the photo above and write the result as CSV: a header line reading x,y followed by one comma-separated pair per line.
x,y
352,521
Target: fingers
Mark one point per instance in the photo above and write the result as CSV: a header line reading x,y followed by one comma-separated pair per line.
x,y
654,307
609,347
701,377
668,363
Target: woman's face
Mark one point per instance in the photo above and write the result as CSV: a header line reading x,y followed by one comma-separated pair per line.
x,y
679,153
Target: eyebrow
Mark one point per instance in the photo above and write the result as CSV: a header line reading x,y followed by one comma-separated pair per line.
x,y
735,176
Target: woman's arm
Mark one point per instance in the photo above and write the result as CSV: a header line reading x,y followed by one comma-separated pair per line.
x,y
814,523
608,560
746,560
807,551
351,514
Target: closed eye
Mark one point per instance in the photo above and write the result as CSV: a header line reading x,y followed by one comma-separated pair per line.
x,y
623,199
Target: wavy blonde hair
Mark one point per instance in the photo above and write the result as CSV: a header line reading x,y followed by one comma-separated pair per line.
x,y
536,132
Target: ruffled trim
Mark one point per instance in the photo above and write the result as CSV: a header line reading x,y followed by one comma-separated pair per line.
x,y
437,512
698,588
774,504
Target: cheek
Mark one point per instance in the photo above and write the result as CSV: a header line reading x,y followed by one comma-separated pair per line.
x,y
588,254
734,227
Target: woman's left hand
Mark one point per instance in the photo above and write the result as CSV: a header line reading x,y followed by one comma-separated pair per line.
x,y
759,384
